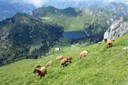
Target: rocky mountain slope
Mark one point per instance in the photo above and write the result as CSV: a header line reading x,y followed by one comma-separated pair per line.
x,y
118,28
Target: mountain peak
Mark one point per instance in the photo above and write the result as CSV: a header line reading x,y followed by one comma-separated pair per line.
x,y
118,9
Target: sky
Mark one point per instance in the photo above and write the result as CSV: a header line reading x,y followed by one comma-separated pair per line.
x,y
39,3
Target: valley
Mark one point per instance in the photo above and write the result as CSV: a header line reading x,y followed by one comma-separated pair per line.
x,y
36,32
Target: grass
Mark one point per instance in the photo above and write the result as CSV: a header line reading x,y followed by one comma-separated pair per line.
x,y
102,66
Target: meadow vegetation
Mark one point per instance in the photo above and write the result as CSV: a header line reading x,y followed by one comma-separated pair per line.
x,y
102,66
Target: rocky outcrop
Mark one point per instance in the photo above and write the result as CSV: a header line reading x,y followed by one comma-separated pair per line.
x,y
118,28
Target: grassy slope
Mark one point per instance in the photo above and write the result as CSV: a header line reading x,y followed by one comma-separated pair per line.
x,y
101,67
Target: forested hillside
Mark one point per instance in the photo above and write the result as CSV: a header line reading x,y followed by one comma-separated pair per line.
x,y
24,36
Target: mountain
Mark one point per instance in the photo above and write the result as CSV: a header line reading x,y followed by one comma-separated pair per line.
x,y
118,28
100,67
75,19
10,9
118,9
44,11
24,36
71,18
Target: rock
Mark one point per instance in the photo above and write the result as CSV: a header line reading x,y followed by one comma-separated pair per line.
x,y
118,28
125,48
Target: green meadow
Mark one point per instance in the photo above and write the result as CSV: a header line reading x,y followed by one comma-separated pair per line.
x,y
102,66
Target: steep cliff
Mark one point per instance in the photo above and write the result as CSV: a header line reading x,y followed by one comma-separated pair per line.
x,y
118,28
